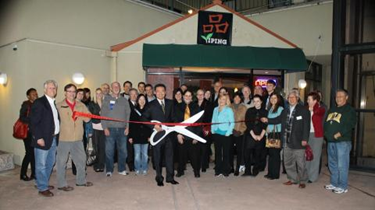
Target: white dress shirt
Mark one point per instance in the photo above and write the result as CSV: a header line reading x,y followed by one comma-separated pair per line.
x,y
55,114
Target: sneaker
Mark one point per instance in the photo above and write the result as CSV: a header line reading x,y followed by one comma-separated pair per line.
x,y
144,173
340,191
124,173
137,172
242,168
329,187
218,175
108,174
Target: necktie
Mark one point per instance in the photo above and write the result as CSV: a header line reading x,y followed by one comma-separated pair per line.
x,y
187,113
162,106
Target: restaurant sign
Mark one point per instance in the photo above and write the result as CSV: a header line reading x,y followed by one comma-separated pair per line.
x,y
214,28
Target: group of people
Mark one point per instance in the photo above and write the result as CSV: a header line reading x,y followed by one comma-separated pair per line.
x,y
248,132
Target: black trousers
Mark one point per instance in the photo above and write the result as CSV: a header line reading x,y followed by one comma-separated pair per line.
x,y
189,151
130,157
29,157
253,154
206,151
98,143
240,150
163,151
222,146
274,163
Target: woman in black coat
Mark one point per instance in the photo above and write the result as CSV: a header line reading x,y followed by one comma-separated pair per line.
x,y
32,95
139,135
255,137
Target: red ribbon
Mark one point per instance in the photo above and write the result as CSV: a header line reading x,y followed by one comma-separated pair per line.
x,y
81,114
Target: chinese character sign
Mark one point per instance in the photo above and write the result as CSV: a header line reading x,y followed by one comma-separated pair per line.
x,y
214,28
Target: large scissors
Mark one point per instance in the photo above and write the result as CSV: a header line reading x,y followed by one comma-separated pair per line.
x,y
178,128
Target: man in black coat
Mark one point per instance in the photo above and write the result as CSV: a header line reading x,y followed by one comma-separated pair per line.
x,y
45,127
133,94
161,110
295,131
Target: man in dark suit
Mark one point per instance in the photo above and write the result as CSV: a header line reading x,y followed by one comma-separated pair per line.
x,y
295,131
188,148
45,127
161,110
133,94
215,96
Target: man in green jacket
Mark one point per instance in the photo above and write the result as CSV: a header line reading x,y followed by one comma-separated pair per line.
x,y
338,127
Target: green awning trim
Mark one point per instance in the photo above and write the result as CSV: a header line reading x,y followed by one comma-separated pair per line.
x,y
173,55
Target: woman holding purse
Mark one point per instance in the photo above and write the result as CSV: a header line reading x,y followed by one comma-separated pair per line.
x,y
273,142
316,135
32,95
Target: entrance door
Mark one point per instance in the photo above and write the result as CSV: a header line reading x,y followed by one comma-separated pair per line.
x,y
366,130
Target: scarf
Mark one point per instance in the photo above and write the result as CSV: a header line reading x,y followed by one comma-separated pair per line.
x,y
289,125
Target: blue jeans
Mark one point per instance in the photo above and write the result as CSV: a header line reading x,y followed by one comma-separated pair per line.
x,y
141,157
44,161
116,138
338,163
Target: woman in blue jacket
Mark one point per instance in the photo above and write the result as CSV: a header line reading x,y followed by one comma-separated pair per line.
x,y
224,115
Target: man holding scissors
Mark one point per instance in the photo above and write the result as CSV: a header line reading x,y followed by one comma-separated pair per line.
x,y
161,110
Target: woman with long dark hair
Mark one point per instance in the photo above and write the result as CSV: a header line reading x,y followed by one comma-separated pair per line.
x,y
274,132
139,137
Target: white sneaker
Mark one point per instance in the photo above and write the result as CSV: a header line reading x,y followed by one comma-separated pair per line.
x,y
329,187
340,191
144,173
242,168
124,173
108,174
219,175
137,172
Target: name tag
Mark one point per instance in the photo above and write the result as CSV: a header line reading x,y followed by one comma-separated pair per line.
x,y
111,104
299,117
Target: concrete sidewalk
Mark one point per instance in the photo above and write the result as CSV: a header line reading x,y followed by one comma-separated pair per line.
x,y
207,192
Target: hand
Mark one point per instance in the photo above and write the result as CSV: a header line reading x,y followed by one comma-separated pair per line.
x,y
337,135
158,128
195,141
180,138
131,140
126,132
90,134
148,139
106,132
264,120
304,143
40,142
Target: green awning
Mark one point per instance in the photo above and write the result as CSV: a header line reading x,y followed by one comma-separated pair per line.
x,y
173,55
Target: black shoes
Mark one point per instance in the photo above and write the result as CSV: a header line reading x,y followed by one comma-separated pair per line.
x,y
236,173
196,174
179,174
174,182
160,183
25,178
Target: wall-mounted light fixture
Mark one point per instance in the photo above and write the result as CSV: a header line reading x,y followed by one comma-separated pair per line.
x,y
3,78
302,83
78,78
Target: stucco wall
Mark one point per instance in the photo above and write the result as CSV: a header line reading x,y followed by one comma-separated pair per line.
x,y
59,38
